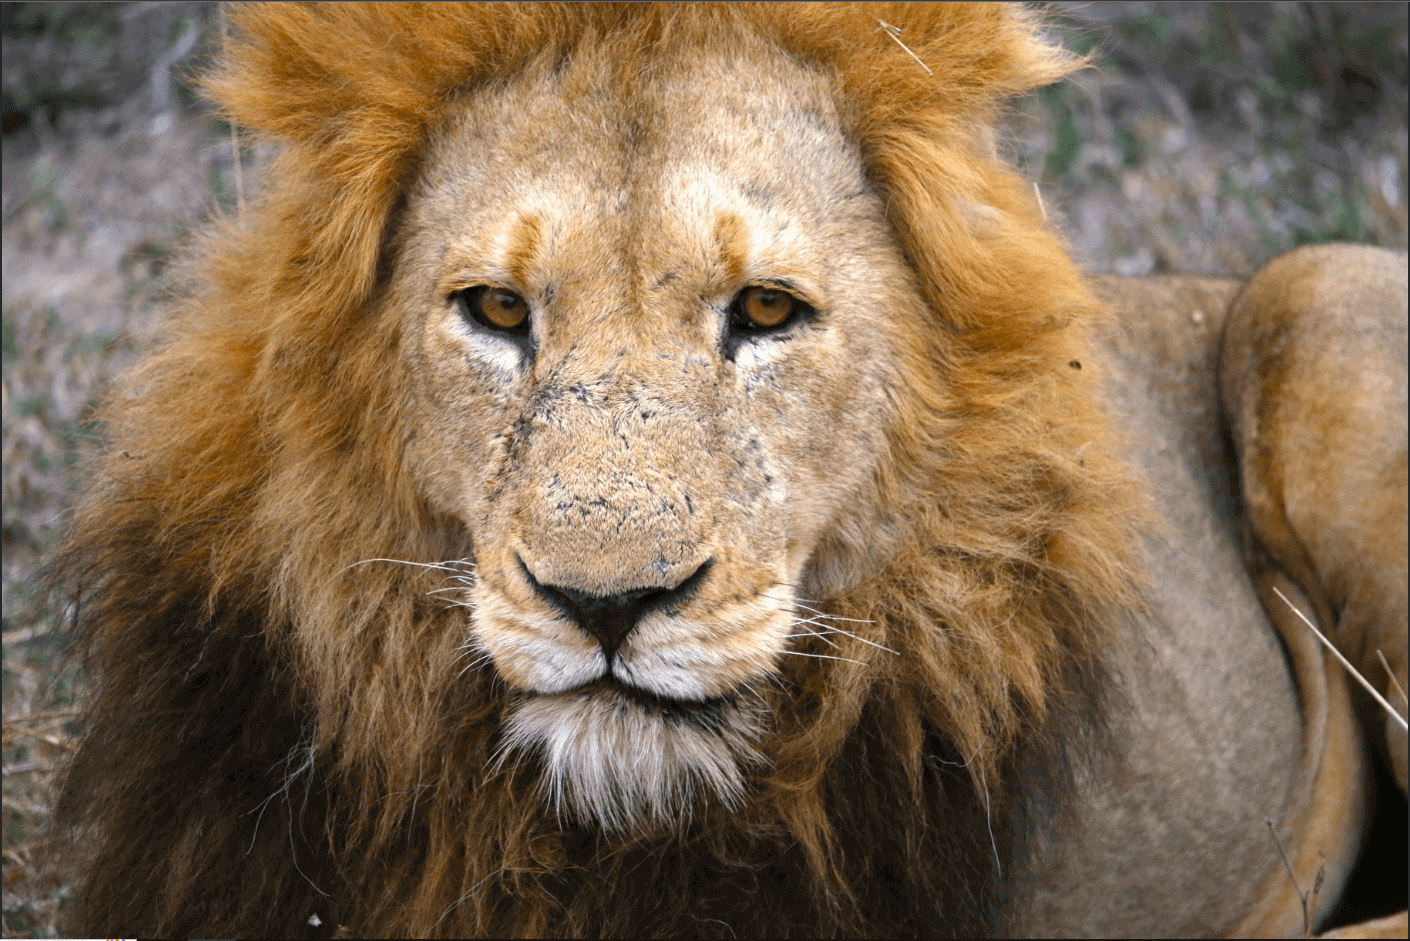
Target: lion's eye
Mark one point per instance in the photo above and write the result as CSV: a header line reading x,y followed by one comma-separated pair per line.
x,y
763,309
495,308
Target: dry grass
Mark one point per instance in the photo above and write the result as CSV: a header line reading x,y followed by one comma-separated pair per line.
x,y
1355,673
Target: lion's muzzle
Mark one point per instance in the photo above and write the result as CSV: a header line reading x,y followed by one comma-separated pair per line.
x,y
610,618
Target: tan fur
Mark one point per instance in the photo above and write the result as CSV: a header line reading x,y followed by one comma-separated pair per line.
x,y
328,684
1316,352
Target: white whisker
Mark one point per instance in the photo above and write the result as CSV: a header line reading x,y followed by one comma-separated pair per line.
x,y
820,636
819,656
806,604
833,617
473,664
837,630
447,566
871,643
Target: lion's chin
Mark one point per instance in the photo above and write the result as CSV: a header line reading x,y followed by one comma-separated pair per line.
x,y
631,761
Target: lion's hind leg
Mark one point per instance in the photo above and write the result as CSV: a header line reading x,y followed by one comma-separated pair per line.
x,y
1313,379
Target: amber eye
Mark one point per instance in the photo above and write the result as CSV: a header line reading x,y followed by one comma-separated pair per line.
x,y
765,308
496,308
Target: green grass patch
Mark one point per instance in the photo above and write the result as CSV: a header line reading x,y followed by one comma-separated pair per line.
x,y
27,405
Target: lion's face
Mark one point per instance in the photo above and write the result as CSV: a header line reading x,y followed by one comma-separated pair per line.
x,y
654,329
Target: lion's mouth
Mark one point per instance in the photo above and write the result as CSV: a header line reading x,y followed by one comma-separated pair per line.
x,y
706,714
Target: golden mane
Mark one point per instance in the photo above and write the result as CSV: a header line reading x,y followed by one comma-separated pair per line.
x,y
254,665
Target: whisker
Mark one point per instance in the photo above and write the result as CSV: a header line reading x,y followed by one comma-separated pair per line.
x,y
820,636
833,617
838,630
480,656
871,643
442,566
473,664
800,603
819,656
827,628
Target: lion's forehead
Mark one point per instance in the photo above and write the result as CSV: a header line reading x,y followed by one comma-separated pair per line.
x,y
605,191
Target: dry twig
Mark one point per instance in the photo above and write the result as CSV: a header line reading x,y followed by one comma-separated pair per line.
x,y
895,33
1345,662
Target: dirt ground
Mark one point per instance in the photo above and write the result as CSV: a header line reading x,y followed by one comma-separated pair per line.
x,y
1205,138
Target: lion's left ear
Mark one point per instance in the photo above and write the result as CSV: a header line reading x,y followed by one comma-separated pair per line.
x,y
897,59
922,84
990,50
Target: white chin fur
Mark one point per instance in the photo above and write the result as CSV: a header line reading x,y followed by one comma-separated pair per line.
x,y
628,765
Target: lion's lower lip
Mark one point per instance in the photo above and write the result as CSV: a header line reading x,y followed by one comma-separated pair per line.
x,y
697,712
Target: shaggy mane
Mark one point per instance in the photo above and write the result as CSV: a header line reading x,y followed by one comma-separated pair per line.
x,y
287,731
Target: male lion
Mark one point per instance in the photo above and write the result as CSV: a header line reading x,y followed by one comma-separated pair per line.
x,y
654,472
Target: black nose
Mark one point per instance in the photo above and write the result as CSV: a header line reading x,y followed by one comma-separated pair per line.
x,y
610,618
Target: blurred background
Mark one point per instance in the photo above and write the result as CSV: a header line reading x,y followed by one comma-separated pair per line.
x,y
1206,138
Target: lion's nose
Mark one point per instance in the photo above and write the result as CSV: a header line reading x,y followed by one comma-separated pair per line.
x,y
610,618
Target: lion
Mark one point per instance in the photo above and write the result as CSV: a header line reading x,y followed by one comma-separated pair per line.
x,y
654,471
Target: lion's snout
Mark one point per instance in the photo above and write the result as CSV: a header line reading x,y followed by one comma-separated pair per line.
x,y
610,618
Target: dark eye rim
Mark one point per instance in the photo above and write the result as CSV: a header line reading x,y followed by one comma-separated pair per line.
x,y
740,324
467,300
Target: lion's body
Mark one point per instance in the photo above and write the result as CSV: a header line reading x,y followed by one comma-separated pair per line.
x,y
1259,702
654,472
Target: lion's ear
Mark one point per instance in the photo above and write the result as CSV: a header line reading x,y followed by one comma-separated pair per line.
x,y
349,91
921,85
982,51
307,74
900,58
